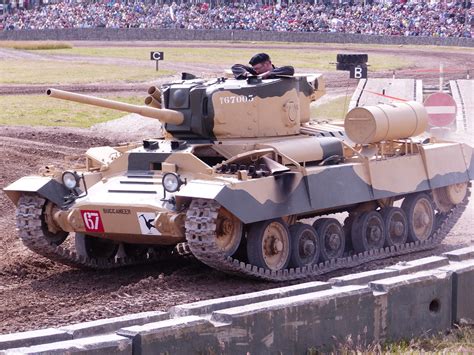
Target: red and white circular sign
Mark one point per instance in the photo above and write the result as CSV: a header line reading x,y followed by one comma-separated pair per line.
x,y
441,109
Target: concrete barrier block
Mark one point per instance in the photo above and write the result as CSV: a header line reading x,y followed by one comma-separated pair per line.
x,y
294,324
110,325
460,254
463,287
413,305
363,278
432,262
16,340
185,335
110,344
208,306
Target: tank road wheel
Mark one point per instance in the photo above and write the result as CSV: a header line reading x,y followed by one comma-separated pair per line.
x,y
228,232
446,197
95,248
331,238
347,227
304,245
396,226
268,244
420,216
368,232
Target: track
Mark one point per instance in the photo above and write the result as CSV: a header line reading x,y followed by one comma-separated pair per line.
x,y
32,232
201,223
201,236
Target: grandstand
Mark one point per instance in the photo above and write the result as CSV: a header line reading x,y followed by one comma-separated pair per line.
x,y
436,19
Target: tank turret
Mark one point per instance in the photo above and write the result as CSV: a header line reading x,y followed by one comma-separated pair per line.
x,y
223,108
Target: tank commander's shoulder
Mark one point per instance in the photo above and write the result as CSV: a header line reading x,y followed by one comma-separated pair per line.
x,y
262,66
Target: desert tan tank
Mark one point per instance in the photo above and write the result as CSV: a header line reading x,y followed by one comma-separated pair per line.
x,y
246,182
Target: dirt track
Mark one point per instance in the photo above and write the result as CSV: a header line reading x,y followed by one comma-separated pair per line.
x,y
36,293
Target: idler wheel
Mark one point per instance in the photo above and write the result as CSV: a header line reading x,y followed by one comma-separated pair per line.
x,y
368,232
396,226
447,196
268,244
95,248
420,216
51,232
331,238
305,248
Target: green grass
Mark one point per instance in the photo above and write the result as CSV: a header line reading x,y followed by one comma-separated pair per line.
x,y
49,69
332,110
54,72
301,58
38,110
34,45
458,340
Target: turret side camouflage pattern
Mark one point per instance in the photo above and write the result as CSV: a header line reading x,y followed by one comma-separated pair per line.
x,y
227,108
241,170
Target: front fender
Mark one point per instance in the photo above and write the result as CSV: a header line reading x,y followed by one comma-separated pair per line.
x,y
205,189
44,186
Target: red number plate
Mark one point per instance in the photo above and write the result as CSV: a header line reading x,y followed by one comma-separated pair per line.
x,y
92,221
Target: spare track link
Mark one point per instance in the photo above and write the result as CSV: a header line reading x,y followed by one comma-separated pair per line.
x,y
30,229
201,236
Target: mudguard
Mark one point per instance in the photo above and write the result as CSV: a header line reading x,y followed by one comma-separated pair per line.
x,y
44,186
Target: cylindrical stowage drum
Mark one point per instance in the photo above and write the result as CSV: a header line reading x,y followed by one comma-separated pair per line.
x,y
371,124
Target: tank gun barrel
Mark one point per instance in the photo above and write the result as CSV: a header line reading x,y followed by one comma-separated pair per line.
x,y
163,115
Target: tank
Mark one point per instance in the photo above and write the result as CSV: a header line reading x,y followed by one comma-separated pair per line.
x,y
246,182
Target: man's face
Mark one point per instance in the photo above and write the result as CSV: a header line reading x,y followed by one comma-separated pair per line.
x,y
263,67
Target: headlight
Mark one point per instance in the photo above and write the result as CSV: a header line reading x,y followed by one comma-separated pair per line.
x,y
171,182
70,179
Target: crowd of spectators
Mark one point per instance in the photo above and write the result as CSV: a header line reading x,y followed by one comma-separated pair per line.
x,y
439,19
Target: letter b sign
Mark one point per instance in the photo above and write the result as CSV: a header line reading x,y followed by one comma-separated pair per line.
x,y
358,72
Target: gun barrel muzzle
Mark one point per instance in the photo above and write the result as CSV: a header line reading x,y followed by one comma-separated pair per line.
x,y
152,102
155,92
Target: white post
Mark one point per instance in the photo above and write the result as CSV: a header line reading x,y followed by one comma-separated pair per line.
x,y
441,71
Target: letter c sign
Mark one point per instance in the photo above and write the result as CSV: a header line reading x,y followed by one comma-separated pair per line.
x,y
157,55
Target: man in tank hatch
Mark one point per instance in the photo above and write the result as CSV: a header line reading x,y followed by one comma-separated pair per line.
x,y
262,66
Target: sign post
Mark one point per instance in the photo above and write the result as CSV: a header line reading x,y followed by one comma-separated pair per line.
x,y
157,56
441,109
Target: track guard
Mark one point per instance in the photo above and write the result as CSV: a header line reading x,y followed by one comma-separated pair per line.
x,y
44,186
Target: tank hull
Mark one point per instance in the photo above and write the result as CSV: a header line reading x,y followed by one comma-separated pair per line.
x,y
130,206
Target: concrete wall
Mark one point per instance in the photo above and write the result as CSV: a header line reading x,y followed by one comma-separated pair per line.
x,y
406,300
135,34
